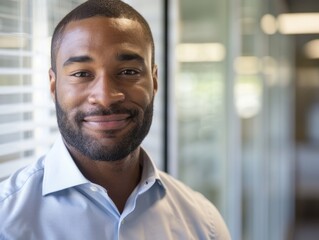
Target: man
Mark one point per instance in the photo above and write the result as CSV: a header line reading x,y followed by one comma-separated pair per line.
x,y
97,182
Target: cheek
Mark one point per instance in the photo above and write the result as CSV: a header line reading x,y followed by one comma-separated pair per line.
x,y
68,97
142,95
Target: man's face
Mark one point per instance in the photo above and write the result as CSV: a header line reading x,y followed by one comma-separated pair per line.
x,y
104,87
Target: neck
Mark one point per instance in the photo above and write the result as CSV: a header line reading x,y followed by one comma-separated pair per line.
x,y
119,177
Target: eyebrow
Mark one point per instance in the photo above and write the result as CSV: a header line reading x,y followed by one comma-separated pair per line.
x,y
129,57
77,59
122,57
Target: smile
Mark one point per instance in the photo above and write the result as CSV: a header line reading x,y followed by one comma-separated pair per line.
x,y
106,122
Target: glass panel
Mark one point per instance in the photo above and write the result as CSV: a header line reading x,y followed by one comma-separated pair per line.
x,y
252,71
200,95
264,91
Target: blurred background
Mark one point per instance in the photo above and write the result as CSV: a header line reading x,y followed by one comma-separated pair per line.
x,y
236,115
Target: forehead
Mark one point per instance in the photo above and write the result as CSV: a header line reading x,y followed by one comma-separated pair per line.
x,y
98,34
102,23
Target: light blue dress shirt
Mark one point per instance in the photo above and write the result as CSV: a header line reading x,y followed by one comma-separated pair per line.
x,y
52,200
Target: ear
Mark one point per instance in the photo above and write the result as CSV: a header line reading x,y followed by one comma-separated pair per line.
x,y
155,78
52,77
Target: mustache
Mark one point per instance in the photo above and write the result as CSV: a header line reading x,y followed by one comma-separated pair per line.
x,y
99,111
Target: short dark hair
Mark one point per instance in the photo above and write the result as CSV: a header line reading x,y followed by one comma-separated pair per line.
x,y
105,8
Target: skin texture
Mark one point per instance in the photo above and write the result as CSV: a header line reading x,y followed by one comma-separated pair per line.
x,y
103,87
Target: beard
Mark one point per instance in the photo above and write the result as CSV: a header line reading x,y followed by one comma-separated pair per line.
x,y
71,131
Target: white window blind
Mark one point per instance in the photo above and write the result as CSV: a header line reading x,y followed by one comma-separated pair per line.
x,y
27,117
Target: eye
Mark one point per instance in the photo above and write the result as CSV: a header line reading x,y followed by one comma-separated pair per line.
x,y
82,74
130,72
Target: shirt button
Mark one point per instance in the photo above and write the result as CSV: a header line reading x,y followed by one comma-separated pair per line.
x,y
93,189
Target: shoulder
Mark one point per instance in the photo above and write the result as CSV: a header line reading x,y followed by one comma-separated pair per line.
x,y
182,192
19,181
195,207
176,185
20,197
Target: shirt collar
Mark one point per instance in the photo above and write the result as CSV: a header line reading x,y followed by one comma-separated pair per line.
x,y
149,169
60,171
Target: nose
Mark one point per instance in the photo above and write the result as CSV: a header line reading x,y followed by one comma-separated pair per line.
x,y
105,92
